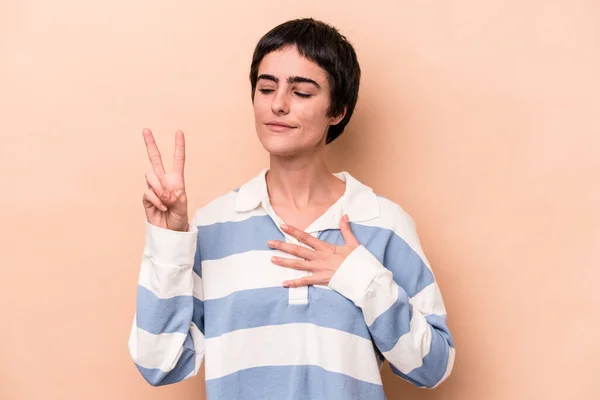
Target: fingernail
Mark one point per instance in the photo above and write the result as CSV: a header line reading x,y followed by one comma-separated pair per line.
x,y
284,227
285,284
270,243
164,208
346,217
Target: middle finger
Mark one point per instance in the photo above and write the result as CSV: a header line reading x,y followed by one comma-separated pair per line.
x,y
153,183
153,152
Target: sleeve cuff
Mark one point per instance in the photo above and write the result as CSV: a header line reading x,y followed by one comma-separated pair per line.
x,y
355,275
169,247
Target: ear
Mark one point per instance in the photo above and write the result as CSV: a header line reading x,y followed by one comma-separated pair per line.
x,y
337,119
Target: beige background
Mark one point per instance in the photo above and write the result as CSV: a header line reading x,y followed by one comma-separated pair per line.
x,y
482,118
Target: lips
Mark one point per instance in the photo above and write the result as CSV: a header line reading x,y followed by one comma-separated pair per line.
x,y
279,126
279,123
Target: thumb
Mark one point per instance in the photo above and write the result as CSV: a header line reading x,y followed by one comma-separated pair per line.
x,y
165,196
347,234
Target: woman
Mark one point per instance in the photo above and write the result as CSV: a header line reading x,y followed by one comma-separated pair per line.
x,y
301,282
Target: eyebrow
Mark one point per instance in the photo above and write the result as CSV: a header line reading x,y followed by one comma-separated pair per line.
x,y
291,79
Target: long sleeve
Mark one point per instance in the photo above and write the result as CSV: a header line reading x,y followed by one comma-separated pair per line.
x,y
402,306
167,341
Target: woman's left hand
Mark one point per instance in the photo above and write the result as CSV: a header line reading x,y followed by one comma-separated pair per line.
x,y
322,259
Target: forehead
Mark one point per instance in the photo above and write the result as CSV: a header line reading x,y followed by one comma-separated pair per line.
x,y
287,62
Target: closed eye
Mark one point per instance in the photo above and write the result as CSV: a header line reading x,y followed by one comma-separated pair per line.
x,y
299,94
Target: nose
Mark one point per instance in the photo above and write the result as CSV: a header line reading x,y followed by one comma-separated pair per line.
x,y
280,103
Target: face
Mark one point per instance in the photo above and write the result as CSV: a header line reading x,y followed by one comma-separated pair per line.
x,y
290,103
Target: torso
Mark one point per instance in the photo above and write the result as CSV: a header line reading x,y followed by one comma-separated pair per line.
x,y
253,323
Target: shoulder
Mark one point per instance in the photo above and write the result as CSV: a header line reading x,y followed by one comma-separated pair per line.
x,y
367,207
394,217
393,214
397,221
216,210
223,208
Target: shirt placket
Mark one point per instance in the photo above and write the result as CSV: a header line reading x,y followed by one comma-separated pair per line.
x,y
297,295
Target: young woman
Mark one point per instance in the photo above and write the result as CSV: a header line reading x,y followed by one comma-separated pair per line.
x,y
300,283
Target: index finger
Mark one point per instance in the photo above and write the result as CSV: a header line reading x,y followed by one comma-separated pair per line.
x,y
307,238
153,153
179,157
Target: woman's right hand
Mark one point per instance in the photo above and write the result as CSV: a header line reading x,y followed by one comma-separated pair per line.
x,y
165,201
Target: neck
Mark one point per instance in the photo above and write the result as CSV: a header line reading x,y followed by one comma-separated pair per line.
x,y
301,182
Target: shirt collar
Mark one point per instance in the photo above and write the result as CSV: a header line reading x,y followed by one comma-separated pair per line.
x,y
358,201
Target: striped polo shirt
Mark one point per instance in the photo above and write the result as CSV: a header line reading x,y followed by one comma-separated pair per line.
x,y
212,295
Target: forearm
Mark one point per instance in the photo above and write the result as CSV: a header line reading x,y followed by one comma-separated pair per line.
x,y
410,333
166,340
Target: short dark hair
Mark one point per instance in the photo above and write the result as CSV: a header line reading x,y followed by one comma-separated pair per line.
x,y
330,50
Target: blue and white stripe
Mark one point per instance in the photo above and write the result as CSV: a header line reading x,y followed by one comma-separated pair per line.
x,y
212,295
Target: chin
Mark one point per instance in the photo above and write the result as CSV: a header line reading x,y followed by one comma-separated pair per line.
x,y
279,147
286,145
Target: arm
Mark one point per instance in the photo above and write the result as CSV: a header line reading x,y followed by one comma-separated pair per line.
x,y
402,306
167,341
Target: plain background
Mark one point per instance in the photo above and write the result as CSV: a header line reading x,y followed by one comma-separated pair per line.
x,y
481,118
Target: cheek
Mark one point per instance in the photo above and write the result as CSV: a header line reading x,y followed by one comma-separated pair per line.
x,y
314,116
259,105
